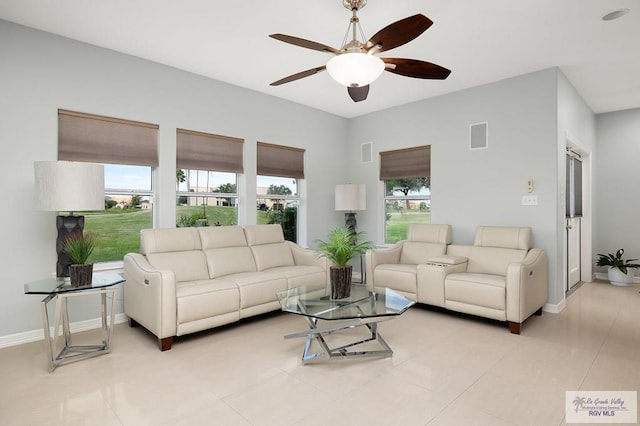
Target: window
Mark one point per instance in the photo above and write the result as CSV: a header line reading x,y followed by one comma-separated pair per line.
x,y
206,198
573,191
407,190
206,179
278,198
128,150
128,209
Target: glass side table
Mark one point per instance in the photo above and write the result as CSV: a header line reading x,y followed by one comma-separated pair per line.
x,y
61,291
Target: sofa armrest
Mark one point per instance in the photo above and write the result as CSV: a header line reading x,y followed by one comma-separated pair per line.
x,y
150,296
375,257
305,256
526,285
308,257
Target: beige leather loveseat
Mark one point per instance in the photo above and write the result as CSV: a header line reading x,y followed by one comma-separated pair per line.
x,y
191,279
499,277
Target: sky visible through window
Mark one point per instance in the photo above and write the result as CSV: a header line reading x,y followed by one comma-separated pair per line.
x,y
118,176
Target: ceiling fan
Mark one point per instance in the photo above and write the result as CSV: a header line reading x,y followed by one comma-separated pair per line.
x,y
355,65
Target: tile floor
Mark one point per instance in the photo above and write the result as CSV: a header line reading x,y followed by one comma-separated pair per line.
x,y
446,370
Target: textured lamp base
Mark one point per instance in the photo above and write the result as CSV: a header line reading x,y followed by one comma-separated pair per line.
x,y
350,221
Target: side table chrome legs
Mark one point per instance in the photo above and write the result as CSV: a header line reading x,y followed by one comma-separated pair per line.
x,y
68,351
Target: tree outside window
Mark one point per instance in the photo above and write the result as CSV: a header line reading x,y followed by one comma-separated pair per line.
x,y
407,200
278,203
206,198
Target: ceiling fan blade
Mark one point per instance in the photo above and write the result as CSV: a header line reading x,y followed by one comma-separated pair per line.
x,y
297,41
399,33
298,76
358,93
415,68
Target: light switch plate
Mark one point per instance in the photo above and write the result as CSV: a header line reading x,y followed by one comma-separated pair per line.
x,y
529,200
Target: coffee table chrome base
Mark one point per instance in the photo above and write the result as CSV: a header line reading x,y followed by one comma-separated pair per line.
x,y
70,352
345,351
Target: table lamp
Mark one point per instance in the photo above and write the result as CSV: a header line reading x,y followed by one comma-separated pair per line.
x,y
65,186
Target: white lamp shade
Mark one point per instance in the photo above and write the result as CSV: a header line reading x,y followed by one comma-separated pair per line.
x,y
355,69
351,197
69,186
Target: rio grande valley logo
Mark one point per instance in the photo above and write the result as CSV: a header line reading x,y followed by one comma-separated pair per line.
x,y
601,406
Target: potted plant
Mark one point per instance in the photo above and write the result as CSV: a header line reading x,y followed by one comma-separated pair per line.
x,y
340,248
79,247
620,271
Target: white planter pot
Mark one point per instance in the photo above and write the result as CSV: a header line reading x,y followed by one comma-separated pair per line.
x,y
616,277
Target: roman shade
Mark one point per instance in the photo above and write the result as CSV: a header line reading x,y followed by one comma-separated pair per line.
x,y
99,139
281,161
205,151
405,163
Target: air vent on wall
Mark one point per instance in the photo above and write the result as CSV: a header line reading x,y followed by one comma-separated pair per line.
x,y
367,152
478,138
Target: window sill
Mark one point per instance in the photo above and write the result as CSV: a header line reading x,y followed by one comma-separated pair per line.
x,y
115,266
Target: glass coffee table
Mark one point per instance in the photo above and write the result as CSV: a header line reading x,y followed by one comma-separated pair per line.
x,y
366,306
60,290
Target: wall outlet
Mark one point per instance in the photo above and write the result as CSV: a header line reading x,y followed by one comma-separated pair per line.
x,y
529,200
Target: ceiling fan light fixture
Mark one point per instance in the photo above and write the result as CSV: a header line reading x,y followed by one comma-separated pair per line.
x,y
355,69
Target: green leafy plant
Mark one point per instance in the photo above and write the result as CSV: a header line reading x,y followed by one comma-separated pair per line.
x,y
287,220
185,221
342,246
615,261
79,247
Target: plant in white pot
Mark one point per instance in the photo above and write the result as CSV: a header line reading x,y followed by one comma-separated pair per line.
x,y
340,248
620,271
79,247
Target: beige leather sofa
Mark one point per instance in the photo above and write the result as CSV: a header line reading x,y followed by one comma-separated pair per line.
x,y
499,277
191,279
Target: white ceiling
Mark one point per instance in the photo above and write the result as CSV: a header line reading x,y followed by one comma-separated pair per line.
x,y
480,41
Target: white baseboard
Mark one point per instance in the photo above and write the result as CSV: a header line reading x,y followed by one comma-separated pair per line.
x,y
604,277
555,309
35,335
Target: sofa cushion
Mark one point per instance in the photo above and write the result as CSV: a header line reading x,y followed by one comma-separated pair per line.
x,y
222,236
169,240
268,246
414,252
201,299
504,237
400,277
476,289
186,265
490,260
263,234
429,233
258,288
301,275
229,260
269,256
